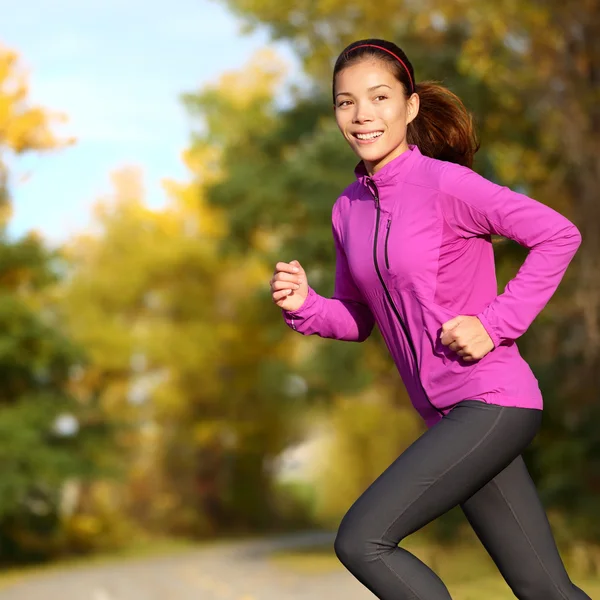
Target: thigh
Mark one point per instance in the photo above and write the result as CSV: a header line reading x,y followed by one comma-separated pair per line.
x,y
444,467
509,519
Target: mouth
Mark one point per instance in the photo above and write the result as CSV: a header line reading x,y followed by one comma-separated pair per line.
x,y
368,137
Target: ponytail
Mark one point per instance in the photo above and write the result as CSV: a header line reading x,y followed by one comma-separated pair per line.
x,y
444,128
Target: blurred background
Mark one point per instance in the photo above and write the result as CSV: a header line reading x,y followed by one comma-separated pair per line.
x,y
156,160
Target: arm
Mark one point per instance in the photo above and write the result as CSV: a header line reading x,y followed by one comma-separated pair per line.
x,y
476,206
345,316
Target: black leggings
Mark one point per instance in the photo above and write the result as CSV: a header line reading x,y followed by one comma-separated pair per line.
x,y
471,458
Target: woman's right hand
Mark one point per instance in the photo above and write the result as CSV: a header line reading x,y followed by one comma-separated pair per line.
x,y
289,287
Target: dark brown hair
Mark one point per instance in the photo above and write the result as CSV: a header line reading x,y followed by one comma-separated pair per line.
x,y
444,128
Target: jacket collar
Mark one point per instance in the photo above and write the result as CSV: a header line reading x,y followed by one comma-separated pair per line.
x,y
396,169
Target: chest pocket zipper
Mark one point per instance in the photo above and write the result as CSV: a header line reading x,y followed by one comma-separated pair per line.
x,y
387,237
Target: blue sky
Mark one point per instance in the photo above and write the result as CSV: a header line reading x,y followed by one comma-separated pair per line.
x,y
117,69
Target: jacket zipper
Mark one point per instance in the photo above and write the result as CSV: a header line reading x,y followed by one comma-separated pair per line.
x,y
375,192
387,237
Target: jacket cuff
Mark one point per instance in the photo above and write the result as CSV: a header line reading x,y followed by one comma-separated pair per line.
x,y
305,310
494,335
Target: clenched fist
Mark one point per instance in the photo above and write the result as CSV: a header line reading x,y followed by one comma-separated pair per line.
x,y
467,337
289,287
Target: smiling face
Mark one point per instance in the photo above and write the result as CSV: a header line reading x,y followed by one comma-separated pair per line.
x,y
372,112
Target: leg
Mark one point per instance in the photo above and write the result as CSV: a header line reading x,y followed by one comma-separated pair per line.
x,y
509,519
441,469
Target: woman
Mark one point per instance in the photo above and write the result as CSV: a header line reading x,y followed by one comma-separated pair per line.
x,y
414,255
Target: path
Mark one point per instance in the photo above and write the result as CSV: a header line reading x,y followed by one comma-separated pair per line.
x,y
226,571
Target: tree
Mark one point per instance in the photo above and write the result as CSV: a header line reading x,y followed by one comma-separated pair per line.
x,y
185,359
47,437
23,128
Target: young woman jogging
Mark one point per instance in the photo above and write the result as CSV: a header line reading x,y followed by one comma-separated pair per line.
x,y
414,255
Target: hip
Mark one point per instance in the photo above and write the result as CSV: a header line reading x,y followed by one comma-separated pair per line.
x,y
501,378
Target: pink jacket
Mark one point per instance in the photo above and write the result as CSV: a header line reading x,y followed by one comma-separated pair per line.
x,y
413,251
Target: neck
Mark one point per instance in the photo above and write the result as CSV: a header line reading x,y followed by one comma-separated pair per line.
x,y
373,166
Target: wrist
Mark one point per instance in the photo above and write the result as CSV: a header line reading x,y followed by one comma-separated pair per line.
x,y
311,298
489,329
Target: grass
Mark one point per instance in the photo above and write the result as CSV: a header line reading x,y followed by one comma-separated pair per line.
x,y
465,568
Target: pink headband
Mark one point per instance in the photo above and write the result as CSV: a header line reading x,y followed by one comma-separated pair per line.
x,y
389,52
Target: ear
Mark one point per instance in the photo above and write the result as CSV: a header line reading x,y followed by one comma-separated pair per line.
x,y
412,107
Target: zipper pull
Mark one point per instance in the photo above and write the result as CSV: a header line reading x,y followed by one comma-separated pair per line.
x,y
389,222
374,191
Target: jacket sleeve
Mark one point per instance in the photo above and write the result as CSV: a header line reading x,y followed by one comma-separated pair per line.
x,y
345,316
474,206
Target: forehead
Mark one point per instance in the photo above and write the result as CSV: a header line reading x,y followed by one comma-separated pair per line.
x,y
365,74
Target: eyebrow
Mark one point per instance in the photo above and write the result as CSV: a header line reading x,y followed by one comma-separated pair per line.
x,y
371,89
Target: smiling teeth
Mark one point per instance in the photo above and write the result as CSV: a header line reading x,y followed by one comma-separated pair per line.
x,y
369,136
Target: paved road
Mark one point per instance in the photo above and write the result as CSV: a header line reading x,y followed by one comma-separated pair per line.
x,y
226,571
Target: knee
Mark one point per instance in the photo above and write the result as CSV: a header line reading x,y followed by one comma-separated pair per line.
x,y
355,547
350,548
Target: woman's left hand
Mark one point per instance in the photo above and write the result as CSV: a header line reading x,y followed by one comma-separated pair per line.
x,y
467,337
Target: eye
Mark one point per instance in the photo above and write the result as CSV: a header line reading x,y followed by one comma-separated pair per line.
x,y
343,103
381,97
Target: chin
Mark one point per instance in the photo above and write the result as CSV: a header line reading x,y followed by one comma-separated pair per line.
x,y
372,157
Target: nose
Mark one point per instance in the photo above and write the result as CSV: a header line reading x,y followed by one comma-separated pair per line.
x,y
363,113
